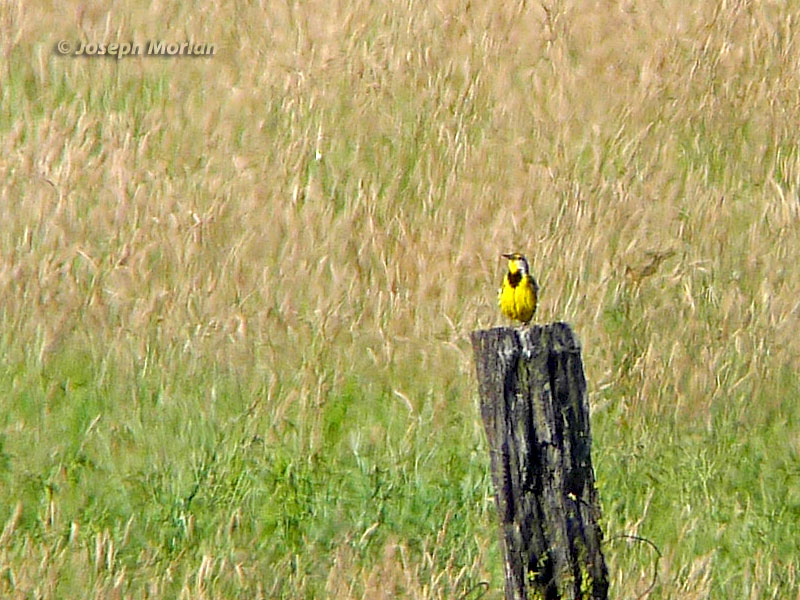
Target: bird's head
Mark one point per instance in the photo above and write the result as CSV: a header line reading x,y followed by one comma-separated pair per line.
x,y
517,262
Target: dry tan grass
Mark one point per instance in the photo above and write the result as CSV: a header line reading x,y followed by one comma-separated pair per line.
x,y
324,202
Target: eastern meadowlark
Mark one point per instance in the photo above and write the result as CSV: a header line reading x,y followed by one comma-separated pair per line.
x,y
519,291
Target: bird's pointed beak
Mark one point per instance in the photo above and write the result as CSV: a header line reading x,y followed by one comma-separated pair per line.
x,y
508,256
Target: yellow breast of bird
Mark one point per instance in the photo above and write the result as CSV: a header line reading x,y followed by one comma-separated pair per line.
x,y
518,301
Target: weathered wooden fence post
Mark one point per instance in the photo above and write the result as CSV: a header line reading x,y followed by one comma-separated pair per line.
x,y
536,414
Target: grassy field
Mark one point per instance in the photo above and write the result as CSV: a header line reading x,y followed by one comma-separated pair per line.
x,y
236,290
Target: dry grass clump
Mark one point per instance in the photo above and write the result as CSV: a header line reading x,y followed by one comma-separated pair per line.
x,y
253,274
